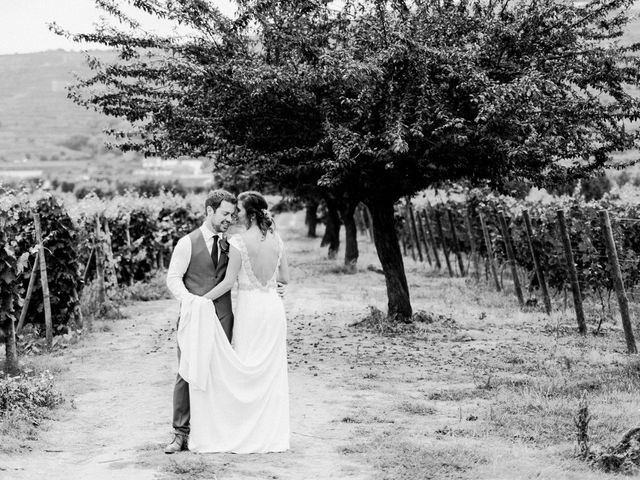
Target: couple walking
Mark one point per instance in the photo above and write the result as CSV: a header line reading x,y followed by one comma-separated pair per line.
x,y
231,392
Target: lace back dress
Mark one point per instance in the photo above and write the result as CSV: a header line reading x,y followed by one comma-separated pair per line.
x,y
245,407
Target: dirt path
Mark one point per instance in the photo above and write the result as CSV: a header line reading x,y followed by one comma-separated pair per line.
x,y
118,387
481,390
119,419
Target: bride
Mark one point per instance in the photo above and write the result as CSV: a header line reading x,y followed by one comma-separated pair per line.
x,y
239,394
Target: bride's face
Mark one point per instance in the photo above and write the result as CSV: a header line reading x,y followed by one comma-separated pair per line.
x,y
242,214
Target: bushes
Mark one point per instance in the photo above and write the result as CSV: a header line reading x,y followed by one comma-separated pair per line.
x,y
60,239
102,189
25,400
28,393
142,229
12,264
584,229
107,189
75,142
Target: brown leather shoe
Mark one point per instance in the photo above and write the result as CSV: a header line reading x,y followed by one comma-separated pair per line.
x,y
178,444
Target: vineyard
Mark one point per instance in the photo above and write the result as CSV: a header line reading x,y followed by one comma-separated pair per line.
x,y
115,242
71,244
546,248
127,239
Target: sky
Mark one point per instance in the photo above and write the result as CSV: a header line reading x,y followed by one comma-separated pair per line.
x,y
23,23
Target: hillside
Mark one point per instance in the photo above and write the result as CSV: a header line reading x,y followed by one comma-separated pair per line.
x,y
37,119
39,123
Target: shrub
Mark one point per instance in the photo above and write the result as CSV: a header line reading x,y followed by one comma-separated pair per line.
x,y
75,142
28,394
60,238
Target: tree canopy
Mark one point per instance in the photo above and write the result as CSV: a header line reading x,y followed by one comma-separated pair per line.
x,y
377,99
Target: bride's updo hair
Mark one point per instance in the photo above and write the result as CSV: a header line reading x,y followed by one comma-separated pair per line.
x,y
257,208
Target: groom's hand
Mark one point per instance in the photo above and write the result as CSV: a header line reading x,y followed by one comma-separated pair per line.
x,y
281,288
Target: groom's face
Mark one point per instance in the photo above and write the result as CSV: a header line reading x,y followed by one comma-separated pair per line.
x,y
221,218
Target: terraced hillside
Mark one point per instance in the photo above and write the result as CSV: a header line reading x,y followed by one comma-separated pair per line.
x,y
37,120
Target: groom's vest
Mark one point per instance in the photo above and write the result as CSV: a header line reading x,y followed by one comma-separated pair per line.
x,y
201,276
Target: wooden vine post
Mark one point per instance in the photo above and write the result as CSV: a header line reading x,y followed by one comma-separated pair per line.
x,y
408,235
456,242
536,263
27,298
414,230
76,297
511,257
12,366
128,238
472,244
573,274
109,253
443,242
432,239
487,243
85,275
616,276
423,235
46,297
99,262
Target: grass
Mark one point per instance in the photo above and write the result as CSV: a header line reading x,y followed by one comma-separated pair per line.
x,y
25,402
416,407
190,468
17,430
455,394
92,308
154,289
399,459
494,378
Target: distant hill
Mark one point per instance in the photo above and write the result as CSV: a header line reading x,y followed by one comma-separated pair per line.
x,y
36,117
38,121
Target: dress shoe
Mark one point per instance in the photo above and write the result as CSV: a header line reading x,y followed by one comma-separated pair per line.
x,y
178,444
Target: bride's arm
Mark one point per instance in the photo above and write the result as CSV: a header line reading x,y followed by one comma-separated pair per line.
x,y
233,268
283,271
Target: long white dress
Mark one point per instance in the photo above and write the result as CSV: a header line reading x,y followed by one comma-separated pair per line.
x,y
239,395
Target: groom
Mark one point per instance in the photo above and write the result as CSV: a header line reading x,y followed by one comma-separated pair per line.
x,y
198,263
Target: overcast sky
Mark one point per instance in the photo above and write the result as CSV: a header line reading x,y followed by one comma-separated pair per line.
x,y
23,23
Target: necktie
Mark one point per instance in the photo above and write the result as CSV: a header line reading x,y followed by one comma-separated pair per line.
x,y
214,250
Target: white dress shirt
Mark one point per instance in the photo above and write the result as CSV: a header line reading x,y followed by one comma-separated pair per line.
x,y
180,259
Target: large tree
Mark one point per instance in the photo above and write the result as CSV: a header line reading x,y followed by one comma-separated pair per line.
x,y
379,99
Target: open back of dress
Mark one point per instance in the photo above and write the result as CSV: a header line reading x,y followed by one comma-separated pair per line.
x,y
260,260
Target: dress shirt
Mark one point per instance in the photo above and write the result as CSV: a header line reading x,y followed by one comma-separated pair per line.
x,y
180,259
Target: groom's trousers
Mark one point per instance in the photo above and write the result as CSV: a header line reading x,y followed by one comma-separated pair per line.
x,y
181,406
181,410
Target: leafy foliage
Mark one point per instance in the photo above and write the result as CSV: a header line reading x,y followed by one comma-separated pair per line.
x,y
28,394
375,100
12,263
585,230
60,238
141,229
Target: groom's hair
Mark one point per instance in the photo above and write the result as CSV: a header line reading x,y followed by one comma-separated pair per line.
x,y
216,197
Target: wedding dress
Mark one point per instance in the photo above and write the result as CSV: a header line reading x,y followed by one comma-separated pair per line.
x,y
239,395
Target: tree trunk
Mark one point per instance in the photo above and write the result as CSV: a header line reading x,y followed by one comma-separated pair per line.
x,y
11,350
388,249
351,253
311,217
332,228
